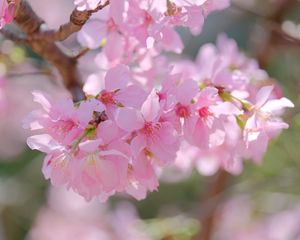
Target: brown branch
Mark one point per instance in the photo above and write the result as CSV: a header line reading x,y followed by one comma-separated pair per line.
x,y
271,23
30,24
214,196
77,20
18,38
277,36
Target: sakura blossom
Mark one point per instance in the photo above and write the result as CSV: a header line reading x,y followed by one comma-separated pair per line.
x,y
140,114
141,119
7,12
136,133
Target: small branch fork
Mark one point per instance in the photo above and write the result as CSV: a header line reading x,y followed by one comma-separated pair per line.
x,y
43,42
77,20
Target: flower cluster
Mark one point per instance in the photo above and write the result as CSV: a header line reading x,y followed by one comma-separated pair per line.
x,y
222,107
212,113
7,12
129,26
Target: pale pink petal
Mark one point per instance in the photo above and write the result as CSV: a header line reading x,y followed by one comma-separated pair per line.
x,y
92,34
131,96
114,48
129,119
138,144
42,98
117,8
263,95
107,131
276,105
44,143
225,108
90,145
117,78
171,40
151,107
186,91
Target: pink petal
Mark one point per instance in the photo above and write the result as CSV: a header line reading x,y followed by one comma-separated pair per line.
x,y
131,96
117,78
108,131
42,98
263,95
114,48
151,107
171,40
138,144
225,108
277,105
117,8
44,143
129,119
90,145
92,33
186,91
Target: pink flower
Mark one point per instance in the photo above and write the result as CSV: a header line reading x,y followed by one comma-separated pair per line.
x,y
156,139
62,120
205,128
102,30
7,12
99,168
263,122
119,90
154,143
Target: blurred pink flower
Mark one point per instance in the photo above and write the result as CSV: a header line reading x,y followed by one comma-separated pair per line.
x,y
7,12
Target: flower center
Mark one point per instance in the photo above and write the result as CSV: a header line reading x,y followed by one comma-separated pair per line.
x,y
182,111
149,128
148,19
204,112
107,97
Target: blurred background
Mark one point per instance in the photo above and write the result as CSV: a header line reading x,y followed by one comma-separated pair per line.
x,y
262,203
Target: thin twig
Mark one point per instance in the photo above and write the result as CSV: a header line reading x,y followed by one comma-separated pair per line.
x,y
76,22
30,24
270,23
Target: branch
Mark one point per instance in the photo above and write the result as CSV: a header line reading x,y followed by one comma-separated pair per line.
x,y
214,196
277,36
30,24
77,20
272,23
18,38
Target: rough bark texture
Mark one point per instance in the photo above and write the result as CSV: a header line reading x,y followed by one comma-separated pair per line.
x,y
43,42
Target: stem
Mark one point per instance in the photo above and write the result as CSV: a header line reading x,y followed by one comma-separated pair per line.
x,y
214,197
77,20
30,24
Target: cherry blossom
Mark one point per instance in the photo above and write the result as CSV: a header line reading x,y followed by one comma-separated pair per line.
x,y
7,12
144,112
